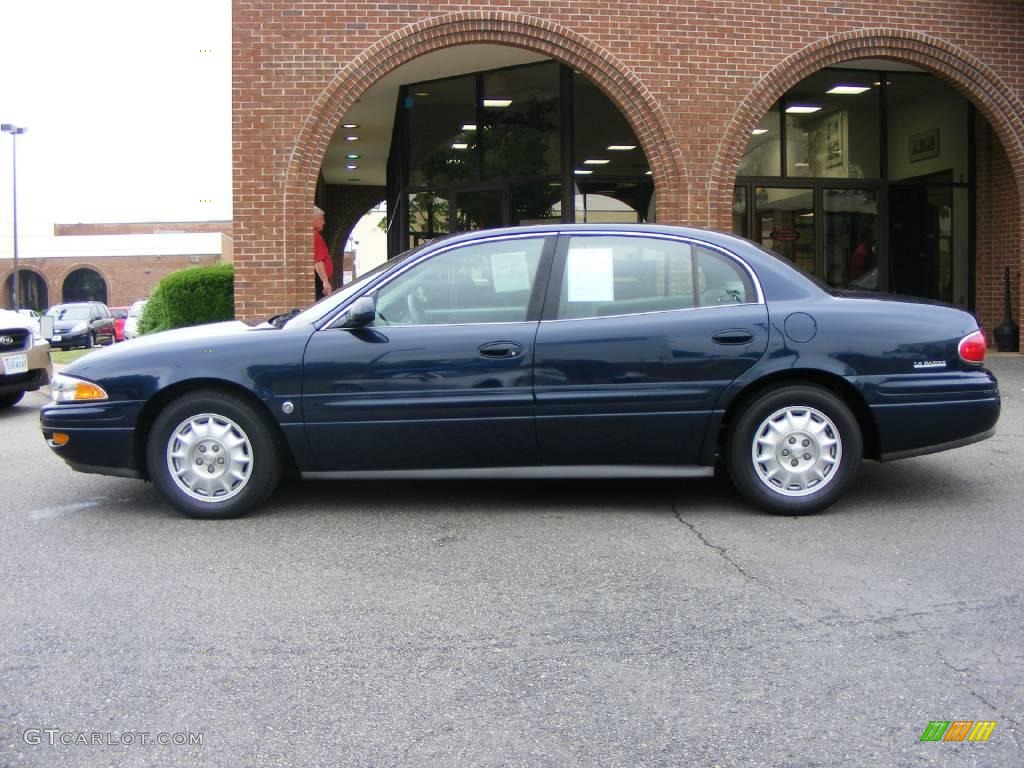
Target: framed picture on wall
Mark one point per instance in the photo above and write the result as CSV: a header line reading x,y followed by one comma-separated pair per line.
x,y
924,145
835,139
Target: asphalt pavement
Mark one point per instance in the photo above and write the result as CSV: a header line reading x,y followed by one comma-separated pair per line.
x,y
557,623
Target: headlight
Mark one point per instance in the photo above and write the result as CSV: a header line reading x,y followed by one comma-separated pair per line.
x,y
68,389
79,327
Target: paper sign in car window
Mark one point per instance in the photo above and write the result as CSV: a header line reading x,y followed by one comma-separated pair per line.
x,y
510,272
590,274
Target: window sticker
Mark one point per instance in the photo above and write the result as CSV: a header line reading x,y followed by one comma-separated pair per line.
x,y
590,275
510,272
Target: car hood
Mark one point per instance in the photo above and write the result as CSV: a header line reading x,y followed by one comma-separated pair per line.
x,y
9,319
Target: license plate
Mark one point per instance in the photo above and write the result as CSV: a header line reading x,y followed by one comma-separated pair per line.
x,y
15,364
56,338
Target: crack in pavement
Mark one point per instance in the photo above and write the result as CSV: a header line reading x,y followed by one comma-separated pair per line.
x,y
722,551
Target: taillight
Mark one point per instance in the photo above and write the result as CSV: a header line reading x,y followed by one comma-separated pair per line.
x,y
972,348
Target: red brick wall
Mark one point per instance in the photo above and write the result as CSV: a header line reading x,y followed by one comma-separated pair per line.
x,y
693,78
128,277
998,232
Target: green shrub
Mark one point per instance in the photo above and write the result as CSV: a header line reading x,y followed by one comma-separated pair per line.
x,y
192,296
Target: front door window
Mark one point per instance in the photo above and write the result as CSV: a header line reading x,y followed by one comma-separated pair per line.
x,y
851,238
785,223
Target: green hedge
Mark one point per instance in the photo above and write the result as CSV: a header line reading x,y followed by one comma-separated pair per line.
x,y
192,296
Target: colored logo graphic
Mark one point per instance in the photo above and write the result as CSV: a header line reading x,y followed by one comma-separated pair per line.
x,y
958,730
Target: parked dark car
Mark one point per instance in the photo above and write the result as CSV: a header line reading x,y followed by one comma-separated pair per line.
x,y
81,324
569,351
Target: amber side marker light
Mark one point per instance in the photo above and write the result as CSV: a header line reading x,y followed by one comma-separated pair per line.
x,y
58,439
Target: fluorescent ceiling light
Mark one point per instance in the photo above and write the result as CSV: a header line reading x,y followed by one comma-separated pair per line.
x,y
351,138
421,93
580,172
352,157
647,174
848,90
351,166
802,165
621,147
498,103
349,125
596,162
460,145
802,109
469,127
759,131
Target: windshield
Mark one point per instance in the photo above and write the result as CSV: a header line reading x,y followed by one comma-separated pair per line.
x,y
69,313
328,303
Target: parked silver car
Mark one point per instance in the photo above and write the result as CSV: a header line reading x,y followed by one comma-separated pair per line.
x,y
131,325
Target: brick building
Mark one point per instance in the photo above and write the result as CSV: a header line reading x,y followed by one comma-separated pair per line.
x,y
116,263
878,144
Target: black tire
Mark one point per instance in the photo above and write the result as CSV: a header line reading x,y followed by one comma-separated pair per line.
x,y
6,401
803,427
90,341
257,459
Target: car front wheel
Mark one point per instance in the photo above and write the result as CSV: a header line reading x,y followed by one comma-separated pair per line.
x,y
213,455
6,401
795,450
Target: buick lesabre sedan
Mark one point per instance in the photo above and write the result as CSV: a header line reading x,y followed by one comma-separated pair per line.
x,y
556,351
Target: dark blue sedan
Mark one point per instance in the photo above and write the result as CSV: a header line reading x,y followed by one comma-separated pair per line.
x,y
558,351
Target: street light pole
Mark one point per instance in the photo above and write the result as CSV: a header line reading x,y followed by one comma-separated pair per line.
x,y
15,131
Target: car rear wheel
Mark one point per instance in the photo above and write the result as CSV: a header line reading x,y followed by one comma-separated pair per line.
x,y
795,450
213,455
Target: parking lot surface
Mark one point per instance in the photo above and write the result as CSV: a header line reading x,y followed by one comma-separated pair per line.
x,y
556,623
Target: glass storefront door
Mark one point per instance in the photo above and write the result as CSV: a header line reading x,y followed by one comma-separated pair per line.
x,y
851,238
479,209
784,223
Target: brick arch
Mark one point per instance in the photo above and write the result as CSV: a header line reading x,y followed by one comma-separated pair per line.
x,y
989,94
9,275
63,275
623,86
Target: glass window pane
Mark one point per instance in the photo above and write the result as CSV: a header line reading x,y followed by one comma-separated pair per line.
x,y
428,217
763,156
739,211
927,128
485,283
604,144
478,209
722,281
833,128
521,121
785,223
536,202
625,275
441,149
851,238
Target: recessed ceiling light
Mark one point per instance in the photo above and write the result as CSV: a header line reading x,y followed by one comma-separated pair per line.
x,y
421,93
877,82
596,162
759,131
497,103
352,157
648,173
802,165
469,127
580,172
460,145
621,147
349,125
802,109
848,90
351,166
351,138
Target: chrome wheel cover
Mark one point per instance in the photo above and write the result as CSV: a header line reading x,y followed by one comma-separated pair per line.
x,y
796,451
209,457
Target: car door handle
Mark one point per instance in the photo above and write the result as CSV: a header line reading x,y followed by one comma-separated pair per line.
x,y
501,349
733,336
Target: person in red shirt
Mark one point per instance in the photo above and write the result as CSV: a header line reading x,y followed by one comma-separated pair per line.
x,y
322,266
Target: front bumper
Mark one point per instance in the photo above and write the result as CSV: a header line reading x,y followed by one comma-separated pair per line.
x,y
101,436
68,340
38,374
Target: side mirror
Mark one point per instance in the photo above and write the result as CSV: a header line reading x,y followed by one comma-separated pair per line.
x,y
46,326
362,312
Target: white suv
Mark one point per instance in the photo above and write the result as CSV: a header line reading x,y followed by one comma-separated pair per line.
x,y
131,324
24,358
